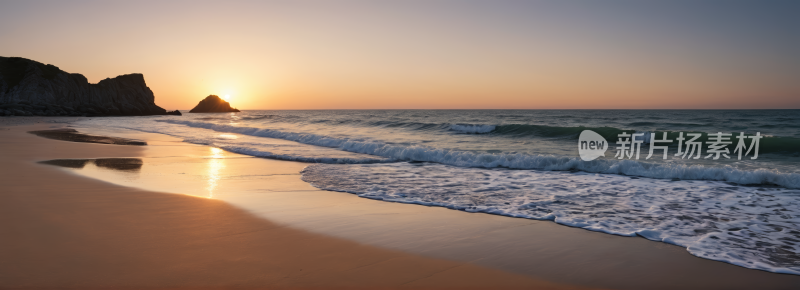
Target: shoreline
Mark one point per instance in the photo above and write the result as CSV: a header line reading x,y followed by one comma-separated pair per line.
x,y
532,248
75,232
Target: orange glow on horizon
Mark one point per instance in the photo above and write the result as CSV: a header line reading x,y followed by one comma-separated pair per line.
x,y
372,56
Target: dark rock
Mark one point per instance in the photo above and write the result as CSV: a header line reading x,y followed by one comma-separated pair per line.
x,y
89,111
30,86
113,111
176,112
213,104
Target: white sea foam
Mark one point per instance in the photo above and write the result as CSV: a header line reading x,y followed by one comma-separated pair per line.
x,y
260,152
516,160
248,145
286,150
753,227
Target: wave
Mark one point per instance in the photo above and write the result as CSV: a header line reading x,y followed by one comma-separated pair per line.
x,y
769,144
609,133
212,118
258,117
517,160
663,124
290,157
292,154
472,129
713,220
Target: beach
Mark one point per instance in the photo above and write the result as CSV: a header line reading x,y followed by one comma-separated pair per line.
x,y
274,230
64,231
628,145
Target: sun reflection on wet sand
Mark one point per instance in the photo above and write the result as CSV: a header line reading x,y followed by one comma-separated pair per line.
x,y
216,163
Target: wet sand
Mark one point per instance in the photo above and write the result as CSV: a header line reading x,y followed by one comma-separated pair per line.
x,y
66,134
61,230
272,190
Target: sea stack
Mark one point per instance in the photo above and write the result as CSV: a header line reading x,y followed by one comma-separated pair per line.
x,y
213,104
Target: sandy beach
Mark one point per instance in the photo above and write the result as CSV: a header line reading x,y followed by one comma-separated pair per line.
x,y
196,217
64,231
627,145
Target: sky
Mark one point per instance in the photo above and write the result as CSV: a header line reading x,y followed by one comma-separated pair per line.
x,y
430,54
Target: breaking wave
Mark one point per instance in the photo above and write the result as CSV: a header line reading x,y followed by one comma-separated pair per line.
x,y
769,144
515,160
472,129
753,227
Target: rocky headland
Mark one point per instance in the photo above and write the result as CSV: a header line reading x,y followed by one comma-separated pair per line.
x,y
31,88
213,104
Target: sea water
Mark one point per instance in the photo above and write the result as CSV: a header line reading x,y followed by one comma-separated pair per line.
x,y
525,164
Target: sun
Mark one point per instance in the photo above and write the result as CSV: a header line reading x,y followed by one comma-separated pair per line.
x,y
227,97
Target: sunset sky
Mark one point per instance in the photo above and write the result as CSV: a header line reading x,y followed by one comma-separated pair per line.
x,y
425,54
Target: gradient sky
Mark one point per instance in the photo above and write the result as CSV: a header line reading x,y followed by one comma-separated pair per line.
x,y
425,54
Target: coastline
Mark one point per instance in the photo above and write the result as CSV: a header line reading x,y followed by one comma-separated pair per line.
x,y
532,248
68,231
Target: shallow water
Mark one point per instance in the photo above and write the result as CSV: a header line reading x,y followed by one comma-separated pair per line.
x,y
526,164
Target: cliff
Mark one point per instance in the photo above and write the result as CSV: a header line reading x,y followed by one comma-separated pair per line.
x,y
213,104
29,88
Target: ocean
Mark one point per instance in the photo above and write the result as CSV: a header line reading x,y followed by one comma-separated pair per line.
x,y
526,164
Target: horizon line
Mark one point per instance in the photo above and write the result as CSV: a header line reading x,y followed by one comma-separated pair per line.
x,y
698,109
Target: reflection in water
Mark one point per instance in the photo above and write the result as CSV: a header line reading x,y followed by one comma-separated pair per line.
x,y
122,164
69,163
215,164
74,136
217,153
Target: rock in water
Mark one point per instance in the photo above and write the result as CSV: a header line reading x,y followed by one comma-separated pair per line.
x,y
213,104
29,87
